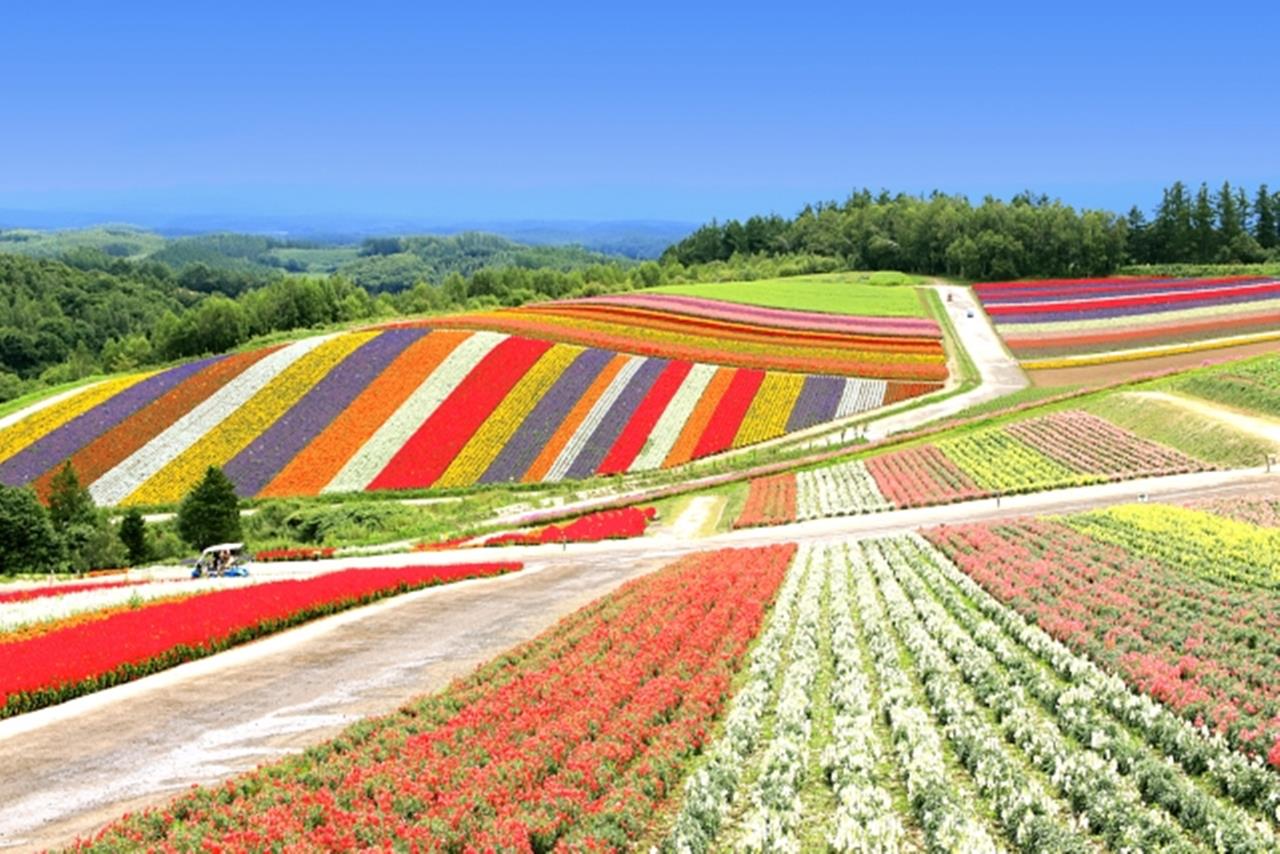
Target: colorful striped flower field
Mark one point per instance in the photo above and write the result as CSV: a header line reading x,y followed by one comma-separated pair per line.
x,y
1061,323
414,407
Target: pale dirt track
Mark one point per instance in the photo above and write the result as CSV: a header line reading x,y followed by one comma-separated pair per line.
x,y
71,768
1267,429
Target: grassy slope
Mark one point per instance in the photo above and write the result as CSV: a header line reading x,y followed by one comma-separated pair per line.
x,y
835,293
1172,425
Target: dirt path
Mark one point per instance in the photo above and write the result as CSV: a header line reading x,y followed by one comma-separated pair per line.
x,y
1267,429
73,767
697,519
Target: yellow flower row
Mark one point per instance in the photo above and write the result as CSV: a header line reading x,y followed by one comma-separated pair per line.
x,y
767,416
247,422
481,449
40,424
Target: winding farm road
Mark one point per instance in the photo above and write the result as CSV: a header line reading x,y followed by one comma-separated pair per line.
x,y
71,768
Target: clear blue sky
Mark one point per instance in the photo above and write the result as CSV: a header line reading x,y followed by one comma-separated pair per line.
x,y
650,110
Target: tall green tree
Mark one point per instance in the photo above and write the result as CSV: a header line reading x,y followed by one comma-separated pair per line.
x,y
133,535
27,539
210,513
1203,221
1265,229
69,502
1172,226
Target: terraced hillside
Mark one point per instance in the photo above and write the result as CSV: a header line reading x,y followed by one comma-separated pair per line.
x,y
551,392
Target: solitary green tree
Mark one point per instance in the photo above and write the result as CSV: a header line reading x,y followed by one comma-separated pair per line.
x,y
133,534
69,502
27,540
210,513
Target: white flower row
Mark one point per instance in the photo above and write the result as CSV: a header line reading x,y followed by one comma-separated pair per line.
x,y
860,396
1107,804
713,787
1031,818
865,818
391,436
773,819
1247,782
595,415
671,423
947,818
121,481
15,615
839,490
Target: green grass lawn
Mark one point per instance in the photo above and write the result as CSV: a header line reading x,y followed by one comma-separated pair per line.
x,y
882,294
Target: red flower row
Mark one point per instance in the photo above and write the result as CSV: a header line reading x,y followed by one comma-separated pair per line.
x,y
575,740
29,593
619,524
86,657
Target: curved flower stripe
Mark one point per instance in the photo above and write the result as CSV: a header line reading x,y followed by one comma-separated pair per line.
x,y
780,317
1142,304
599,408
40,406
319,462
35,427
760,355
110,449
1147,352
1119,324
665,433
728,330
1047,345
684,448
376,453
51,450
252,468
727,419
496,431
640,428
1025,291
541,424
235,432
770,410
611,425
817,403
861,396
424,457
568,428
140,466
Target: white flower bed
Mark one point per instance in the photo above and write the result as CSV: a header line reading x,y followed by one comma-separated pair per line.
x,y
713,787
860,396
389,438
840,490
773,819
865,818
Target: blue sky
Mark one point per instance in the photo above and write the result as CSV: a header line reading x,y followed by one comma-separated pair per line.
x,y
602,111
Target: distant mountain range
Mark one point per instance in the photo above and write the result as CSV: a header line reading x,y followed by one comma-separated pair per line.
x,y
637,239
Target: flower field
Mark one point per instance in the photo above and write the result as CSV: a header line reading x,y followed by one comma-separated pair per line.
x,y
415,407
892,704
1060,323
1183,604
183,622
702,330
573,740
1069,448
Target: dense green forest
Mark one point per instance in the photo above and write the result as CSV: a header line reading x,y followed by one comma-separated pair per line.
x,y
1026,236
